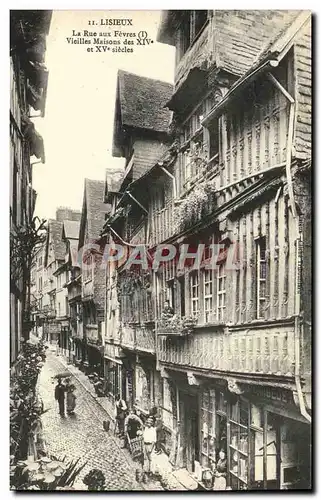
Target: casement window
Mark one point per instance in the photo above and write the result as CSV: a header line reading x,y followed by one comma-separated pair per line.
x,y
214,144
194,287
181,288
221,292
171,293
192,24
208,294
261,266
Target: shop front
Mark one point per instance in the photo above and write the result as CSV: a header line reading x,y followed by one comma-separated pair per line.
x,y
266,443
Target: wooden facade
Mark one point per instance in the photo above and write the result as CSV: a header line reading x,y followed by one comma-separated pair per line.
x,y
232,177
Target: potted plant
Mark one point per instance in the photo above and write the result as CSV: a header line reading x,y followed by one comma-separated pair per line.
x,y
95,480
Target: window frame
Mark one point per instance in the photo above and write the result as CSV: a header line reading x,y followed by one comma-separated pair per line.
x,y
260,300
221,292
208,298
194,300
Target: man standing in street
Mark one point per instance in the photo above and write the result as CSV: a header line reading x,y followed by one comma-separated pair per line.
x,y
121,408
60,390
149,444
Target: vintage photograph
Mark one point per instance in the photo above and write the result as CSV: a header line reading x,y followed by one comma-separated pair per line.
x,y
160,250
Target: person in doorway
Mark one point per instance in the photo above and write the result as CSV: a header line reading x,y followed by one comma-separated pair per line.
x,y
121,409
71,399
60,390
149,436
220,471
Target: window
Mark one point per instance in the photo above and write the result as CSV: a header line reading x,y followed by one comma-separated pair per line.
x,y
191,26
260,277
194,284
40,284
214,144
239,448
40,261
221,292
208,294
184,34
181,284
200,18
171,293
58,308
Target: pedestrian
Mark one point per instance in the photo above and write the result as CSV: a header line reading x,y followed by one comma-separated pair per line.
x,y
159,435
71,399
121,409
60,390
57,346
149,436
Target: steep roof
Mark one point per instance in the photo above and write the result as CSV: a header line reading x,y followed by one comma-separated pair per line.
x,y
94,209
140,104
55,235
71,229
242,37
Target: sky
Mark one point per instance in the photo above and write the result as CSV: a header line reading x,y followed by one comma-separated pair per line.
x,y
78,124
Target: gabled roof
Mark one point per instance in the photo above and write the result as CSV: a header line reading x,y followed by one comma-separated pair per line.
x,y
54,235
93,210
71,229
140,104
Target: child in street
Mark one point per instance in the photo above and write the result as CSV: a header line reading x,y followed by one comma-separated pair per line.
x,y
71,400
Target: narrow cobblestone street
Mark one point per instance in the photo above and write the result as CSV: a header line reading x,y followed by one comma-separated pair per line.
x,y
83,435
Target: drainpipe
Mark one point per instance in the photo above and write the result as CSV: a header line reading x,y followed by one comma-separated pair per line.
x,y
303,409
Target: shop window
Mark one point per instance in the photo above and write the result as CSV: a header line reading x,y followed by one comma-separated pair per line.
x,y
239,447
208,435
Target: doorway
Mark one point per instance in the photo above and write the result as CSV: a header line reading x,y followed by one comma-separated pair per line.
x,y
190,429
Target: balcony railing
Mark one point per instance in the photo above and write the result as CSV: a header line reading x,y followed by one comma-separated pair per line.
x,y
162,227
139,338
178,327
87,291
268,352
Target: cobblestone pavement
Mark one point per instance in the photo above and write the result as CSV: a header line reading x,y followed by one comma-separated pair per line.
x,y
82,435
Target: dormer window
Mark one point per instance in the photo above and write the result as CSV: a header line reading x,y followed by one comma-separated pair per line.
x,y
192,24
